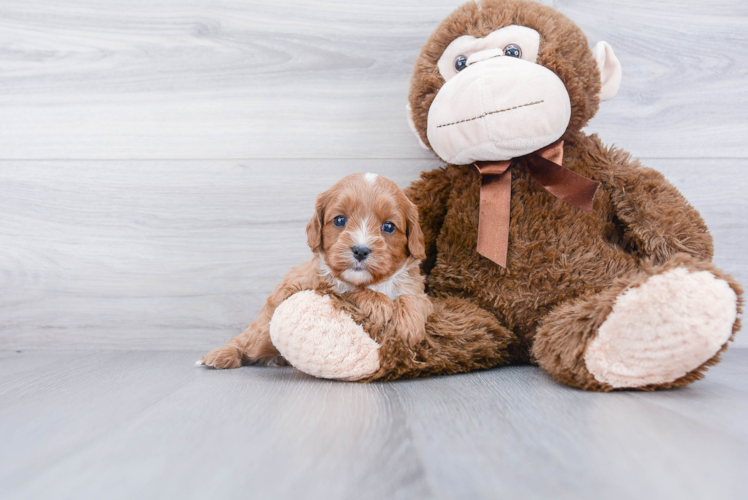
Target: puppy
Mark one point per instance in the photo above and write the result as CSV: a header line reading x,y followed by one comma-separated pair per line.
x,y
367,248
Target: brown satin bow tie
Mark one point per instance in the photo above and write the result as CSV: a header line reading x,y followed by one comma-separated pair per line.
x,y
496,194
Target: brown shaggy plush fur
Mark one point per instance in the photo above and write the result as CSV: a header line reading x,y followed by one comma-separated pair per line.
x,y
460,337
563,335
565,267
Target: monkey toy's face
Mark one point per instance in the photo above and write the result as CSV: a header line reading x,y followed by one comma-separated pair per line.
x,y
496,102
499,79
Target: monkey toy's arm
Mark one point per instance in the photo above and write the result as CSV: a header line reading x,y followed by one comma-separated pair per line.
x,y
658,220
430,194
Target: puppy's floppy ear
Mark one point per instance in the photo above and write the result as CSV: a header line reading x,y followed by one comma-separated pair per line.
x,y
314,228
416,245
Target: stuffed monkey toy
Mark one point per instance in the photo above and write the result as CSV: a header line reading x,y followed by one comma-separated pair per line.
x,y
542,245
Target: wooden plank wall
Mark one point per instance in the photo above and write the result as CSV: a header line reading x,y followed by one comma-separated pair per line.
x,y
159,158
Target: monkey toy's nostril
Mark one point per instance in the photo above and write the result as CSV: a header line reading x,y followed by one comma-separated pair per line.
x,y
361,253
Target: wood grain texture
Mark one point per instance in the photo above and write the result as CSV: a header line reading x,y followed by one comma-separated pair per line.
x,y
165,255
176,255
196,79
161,162
149,425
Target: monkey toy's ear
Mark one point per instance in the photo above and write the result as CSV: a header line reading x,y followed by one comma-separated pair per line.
x,y
610,70
412,126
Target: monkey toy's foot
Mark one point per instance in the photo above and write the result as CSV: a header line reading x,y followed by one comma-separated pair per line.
x,y
321,340
663,329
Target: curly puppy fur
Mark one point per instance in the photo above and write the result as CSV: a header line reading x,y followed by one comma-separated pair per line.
x,y
386,285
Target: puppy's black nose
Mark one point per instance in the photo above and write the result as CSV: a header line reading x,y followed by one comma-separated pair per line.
x,y
360,253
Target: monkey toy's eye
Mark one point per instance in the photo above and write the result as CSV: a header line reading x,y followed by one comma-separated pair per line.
x,y
460,63
512,50
388,227
339,221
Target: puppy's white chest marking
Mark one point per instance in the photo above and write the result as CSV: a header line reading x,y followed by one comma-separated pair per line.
x,y
388,288
392,287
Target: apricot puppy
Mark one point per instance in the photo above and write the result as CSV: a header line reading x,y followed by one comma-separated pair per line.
x,y
367,247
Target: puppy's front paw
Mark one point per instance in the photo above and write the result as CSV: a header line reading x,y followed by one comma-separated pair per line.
x,y
410,316
411,333
222,357
376,306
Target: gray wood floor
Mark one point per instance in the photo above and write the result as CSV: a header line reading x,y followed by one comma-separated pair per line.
x,y
124,424
159,161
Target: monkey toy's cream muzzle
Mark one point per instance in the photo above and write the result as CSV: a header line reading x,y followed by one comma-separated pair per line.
x,y
497,108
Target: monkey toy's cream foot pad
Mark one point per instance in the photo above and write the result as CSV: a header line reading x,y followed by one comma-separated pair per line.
x,y
318,339
663,329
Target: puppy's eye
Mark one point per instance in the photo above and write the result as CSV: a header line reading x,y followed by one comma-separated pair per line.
x,y
339,221
513,50
388,227
460,63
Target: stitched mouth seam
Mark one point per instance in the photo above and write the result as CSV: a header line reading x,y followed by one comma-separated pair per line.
x,y
489,113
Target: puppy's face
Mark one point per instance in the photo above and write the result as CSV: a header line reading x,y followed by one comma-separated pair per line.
x,y
365,229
